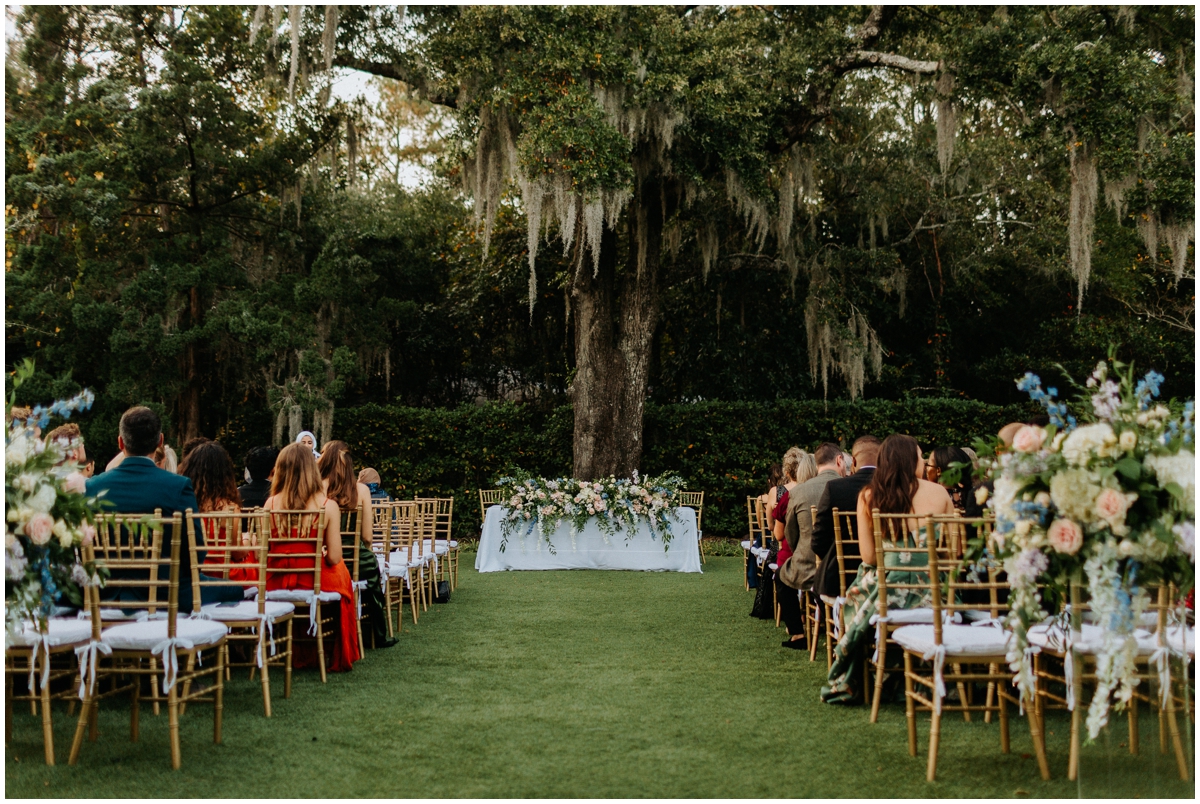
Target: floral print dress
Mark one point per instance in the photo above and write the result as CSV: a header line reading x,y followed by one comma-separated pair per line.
x,y
862,601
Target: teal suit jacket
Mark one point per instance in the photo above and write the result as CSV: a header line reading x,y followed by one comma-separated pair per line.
x,y
137,486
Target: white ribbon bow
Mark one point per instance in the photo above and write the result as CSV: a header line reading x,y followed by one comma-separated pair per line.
x,y
992,622
838,602
1069,668
1162,658
1030,652
312,613
88,654
938,655
266,624
358,587
170,659
41,643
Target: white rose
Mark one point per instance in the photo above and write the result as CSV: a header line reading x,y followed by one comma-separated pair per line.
x,y
17,450
42,499
1042,499
1022,527
1128,441
1057,442
66,538
1179,469
1083,442
981,495
27,483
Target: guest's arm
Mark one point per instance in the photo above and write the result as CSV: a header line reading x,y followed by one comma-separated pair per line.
x,y
365,521
333,533
866,528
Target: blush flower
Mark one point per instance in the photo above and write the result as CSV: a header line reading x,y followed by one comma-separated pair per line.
x,y
1029,439
1065,536
39,528
1111,506
75,483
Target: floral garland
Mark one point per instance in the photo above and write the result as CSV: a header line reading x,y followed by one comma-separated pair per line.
x,y
1111,501
540,504
47,517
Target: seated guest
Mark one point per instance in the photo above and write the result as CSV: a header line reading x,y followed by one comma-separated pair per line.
x,y
137,486
847,464
210,469
297,487
841,494
798,466
70,440
190,445
260,465
24,415
337,478
764,577
769,498
309,440
895,488
939,461
370,478
801,568
165,459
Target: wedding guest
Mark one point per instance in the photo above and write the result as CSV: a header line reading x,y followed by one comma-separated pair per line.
x,y
370,478
296,486
764,577
337,478
895,488
214,481
190,445
798,466
137,486
165,459
309,440
260,466
842,494
1008,431
939,461
769,499
23,414
847,464
70,441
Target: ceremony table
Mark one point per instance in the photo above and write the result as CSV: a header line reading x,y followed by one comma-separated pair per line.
x,y
590,549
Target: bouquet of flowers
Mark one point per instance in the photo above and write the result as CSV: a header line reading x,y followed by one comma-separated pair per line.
x,y
1110,500
47,516
536,503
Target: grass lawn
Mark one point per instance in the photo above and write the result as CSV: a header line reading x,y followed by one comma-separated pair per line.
x,y
612,684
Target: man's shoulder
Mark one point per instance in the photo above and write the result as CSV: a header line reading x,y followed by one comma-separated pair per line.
x,y
136,482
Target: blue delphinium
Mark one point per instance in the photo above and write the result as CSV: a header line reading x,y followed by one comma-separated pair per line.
x,y
1032,385
1148,388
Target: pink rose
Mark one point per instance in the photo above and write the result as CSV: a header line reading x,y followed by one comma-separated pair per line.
x,y
1029,439
39,528
1111,506
75,483
87,532
1065,536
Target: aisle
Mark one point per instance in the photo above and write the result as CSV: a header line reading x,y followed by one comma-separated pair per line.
x,y
568,684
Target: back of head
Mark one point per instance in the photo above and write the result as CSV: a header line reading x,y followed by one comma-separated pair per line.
x,y
213,478
775,475
807,469
69,440
191,444
297,479
942,457
165,459
895,480
865,451
337,467
368,476
260,461
791,463
1008,432
827,454
140,429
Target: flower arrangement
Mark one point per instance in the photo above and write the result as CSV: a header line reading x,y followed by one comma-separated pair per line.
x,y
536,503
47,516
1110,501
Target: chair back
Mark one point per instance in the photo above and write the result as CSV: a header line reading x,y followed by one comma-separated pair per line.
x,y
752,517
846,548
443,509
760,509
695,501
488,497
900,546
295,539
404,529
130,546
229,537
351,532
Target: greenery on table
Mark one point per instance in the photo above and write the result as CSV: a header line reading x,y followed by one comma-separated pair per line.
x,y
227,274
538,505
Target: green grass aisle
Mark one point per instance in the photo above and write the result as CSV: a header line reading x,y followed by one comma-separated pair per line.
x,y
571,684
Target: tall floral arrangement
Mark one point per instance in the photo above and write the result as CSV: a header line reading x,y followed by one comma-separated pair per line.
x,y
47,516
1107,499
539,504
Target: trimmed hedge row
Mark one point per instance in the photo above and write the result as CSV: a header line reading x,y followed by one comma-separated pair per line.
x,y
722,448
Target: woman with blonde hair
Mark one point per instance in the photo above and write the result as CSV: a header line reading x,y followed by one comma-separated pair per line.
x,y
296,486
337,477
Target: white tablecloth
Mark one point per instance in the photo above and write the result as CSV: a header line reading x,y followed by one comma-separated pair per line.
x,y
589,550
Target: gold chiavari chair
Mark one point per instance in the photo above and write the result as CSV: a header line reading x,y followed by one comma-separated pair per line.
x,y
943,642
695,501
403,570
754,533
435,540
846,551
381,540
36,646
445,529
488,498
424,549
1083,640
812,605
236,555
351,533
295,546
142,577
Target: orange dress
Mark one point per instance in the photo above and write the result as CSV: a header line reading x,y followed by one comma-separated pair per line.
x,y
333,579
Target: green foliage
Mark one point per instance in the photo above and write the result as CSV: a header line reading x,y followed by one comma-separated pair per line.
x,y
723,449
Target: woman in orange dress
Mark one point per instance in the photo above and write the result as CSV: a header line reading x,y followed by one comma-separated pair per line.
x,y
215,483
296,486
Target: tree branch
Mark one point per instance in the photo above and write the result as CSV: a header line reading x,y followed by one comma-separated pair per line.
x,y
862,59
397,72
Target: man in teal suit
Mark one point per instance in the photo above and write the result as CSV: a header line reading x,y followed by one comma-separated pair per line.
x,y
137,486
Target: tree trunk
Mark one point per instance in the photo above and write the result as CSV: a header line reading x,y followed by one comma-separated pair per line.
x,y
616,313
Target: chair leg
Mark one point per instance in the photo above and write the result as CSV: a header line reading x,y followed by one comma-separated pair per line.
x,y
1037,731
1005,746
8,704
879,665
320,641
85,709
266,685
153,672
816,630
187,685
962,694
1173,726
935,735
219,697
94,724
1133,726
910,706
991,695
828,639
173,720
47,726
1073,761
287,665
135,712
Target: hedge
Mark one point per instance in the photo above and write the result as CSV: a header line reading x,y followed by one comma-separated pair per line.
x,y
722,448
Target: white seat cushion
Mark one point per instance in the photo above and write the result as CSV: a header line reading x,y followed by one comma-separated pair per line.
x,y
301,595
959,640
451,543
747,544
247,610
773,566
60,632
975,615
912,617
147,635
1148,620
1091,638
119,616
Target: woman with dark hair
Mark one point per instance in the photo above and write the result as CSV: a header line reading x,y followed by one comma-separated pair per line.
x,y
939,461
337,477
214,480
897,487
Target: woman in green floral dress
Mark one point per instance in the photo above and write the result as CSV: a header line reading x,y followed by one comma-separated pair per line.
x,y
895,488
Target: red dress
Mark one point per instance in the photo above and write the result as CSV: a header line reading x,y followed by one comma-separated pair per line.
x,y
333,579
217,545
780,514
